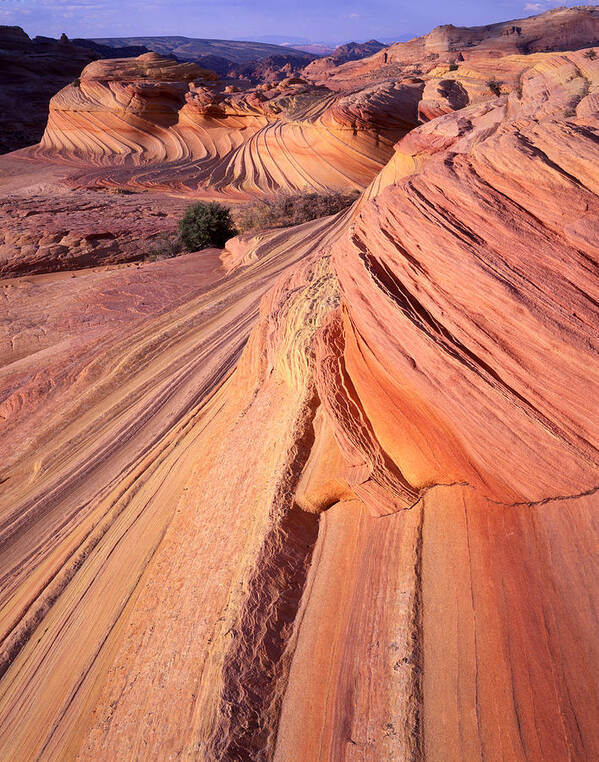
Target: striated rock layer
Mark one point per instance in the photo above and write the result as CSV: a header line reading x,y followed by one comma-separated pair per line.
x,y
152,122
339,499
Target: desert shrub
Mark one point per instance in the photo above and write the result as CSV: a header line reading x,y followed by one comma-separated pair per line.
x,y
519,88
282,209
204,225
164,246
494,86
590,54
453,67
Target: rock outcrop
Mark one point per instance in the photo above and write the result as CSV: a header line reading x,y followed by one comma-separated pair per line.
x,y
338,499
559,29
156,122
31,72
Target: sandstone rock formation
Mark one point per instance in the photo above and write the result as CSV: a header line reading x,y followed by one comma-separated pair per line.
x,y
336,499
156,122
334,131
31,72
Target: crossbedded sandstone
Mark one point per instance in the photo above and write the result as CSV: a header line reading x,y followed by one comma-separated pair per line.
x,y
337,500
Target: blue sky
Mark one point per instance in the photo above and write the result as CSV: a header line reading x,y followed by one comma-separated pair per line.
x,y
320,20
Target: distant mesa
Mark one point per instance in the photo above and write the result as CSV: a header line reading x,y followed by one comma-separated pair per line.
x,y
559,29
190,48
352,51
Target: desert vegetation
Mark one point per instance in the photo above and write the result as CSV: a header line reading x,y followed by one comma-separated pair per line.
x,y
205,225
164,247
282,209
494,86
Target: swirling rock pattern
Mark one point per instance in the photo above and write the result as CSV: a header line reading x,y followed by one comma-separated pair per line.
x,y
337,500
156,123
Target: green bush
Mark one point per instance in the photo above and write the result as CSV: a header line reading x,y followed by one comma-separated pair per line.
x,y
205,225
494,86
282,209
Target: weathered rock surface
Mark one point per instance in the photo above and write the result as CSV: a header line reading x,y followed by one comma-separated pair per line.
x,y
337,500
47,225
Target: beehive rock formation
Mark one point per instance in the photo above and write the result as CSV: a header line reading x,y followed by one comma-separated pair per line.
x,y
336,498
158,123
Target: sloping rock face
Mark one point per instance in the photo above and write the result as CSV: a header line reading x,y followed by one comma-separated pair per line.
x,y
340,503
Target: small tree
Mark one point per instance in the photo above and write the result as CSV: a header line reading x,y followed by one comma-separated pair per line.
x,y
204,225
